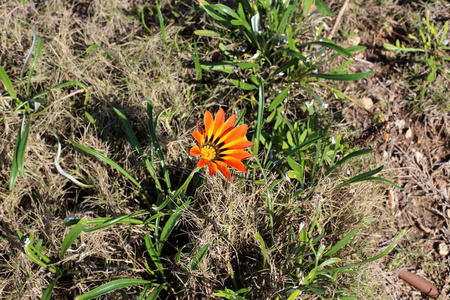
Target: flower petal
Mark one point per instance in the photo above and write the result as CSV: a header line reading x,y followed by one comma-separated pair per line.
x,y
239,154
200,129
225,128
218,122
223,168
235,163
202,163
209,125
239,144
212,168
236,133
195,151
198,137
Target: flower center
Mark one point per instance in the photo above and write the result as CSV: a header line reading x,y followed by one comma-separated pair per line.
x,y
208,152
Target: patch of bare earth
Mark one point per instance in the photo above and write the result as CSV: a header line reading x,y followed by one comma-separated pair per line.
x,y
413,143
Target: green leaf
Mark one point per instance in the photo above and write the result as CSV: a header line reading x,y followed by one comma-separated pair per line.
x,y
47,295
259,120
107,222
108,161
198,258
226,67
209,33
279,98
112,286
348,157
342,242
263,248
170,225
294,295
332,46
152,124
154,294
8,84
153,254
380,255
137,146
72,236
343,77
17,167
243,85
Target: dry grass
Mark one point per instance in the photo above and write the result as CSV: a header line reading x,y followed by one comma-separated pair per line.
x,y
103,44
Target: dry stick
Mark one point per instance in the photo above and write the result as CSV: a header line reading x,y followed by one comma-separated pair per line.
x,y
419,283
338,19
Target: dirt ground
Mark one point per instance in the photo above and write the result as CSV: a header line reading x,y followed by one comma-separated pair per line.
x,y
414,141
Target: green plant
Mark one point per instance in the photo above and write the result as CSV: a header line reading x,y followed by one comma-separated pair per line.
x,y
310,260
432,49
276,34
26,103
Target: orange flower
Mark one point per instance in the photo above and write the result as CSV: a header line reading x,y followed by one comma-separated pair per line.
x,y
220,144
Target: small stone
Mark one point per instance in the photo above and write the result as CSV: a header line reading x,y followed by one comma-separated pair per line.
x,y
408,133
354,40
418,156
366,102
443,249
400,123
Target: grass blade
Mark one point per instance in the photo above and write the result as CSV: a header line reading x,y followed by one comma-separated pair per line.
x,y
17,168
279,98
33,65
154,294
111,286
259,120
47,295
343,77
348,157
263,248
121,219
342,242
380,255
137,146
161,21
108,161
153,254
72,236
7,82
152,129
198,258
170,225
62,172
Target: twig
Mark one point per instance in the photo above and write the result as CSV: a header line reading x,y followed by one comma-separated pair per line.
x,y
338,19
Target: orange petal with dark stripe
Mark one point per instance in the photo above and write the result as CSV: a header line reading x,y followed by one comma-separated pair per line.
x,y
239,144
223,168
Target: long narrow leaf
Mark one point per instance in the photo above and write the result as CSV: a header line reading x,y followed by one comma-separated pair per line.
x,y
47,295
7,82
112,286
154,294
152,130
198,258
137,146
348,157
17,167
33,65
61,171
342,242
259,119
380,255
121,219
108,161
170,225
153,254
343,77
72,236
